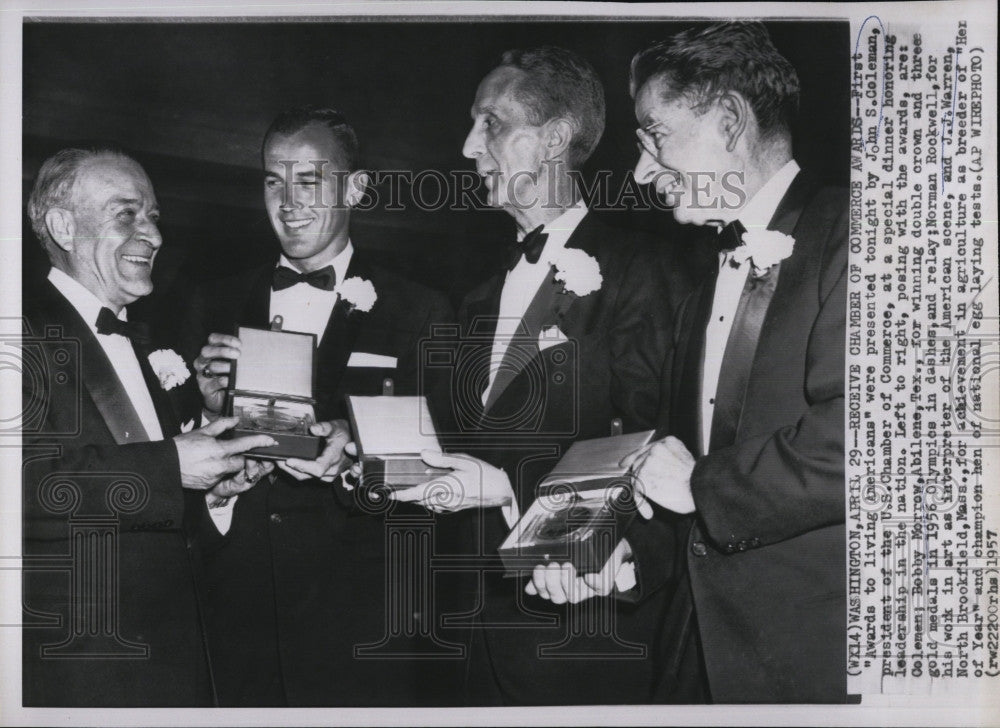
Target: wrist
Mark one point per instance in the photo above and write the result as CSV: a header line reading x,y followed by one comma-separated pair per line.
x,y
507,497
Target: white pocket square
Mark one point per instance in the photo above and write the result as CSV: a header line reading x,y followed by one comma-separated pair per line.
x,y
550,337
364,359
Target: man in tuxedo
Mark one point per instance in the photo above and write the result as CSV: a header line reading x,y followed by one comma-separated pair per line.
x,y
755,448
111,615
295,570
570,335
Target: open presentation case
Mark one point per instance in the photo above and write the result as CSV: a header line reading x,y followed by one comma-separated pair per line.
x,y
390,433
271,391
581,510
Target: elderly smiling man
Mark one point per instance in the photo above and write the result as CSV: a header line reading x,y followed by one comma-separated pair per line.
x,y
107,453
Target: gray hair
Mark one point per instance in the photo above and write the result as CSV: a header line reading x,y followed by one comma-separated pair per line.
x,y
54,185
701,63
560,83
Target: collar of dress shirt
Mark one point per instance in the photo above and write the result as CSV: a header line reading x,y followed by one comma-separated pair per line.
x,y
757,213
560,230
340,263
79,296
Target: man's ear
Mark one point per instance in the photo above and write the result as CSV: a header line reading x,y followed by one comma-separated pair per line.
x,y
736,117
558,138
357,182
61,227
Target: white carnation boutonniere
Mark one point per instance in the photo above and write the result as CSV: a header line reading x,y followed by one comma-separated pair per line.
x,y
579,273
764,249
169,367
358,292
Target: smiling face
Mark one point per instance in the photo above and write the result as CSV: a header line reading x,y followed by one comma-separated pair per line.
x,y
115,235
508,150
304,182
684,155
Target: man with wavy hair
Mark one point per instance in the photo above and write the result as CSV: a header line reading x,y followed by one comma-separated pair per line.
x,y
753,446
756,445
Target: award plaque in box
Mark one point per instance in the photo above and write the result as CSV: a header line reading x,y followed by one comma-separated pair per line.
x,y
390,433
581,511
271,391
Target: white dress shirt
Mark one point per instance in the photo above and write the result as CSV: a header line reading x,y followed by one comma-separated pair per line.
x,y
118,349
523,282
306,308
756,215
302,308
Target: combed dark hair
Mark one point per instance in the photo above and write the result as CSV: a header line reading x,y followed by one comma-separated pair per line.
x,y
293,120
559,83
55,181
736,56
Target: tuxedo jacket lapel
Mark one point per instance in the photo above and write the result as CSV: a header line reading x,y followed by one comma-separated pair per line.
x,y
482,311
738,357
479,320
793,270
162,402
794,273
341,332
690,355
257,312
571,310
779,298
786,217
523,347
550,305
98,376
342,328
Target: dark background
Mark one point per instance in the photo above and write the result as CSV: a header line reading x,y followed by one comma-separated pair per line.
x,y
191,101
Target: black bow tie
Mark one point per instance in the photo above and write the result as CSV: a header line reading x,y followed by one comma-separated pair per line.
x,y
108,323
530,246
324,278
731,236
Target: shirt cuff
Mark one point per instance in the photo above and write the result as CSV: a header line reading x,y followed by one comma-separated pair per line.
x,y
625,578
222,516
511,513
